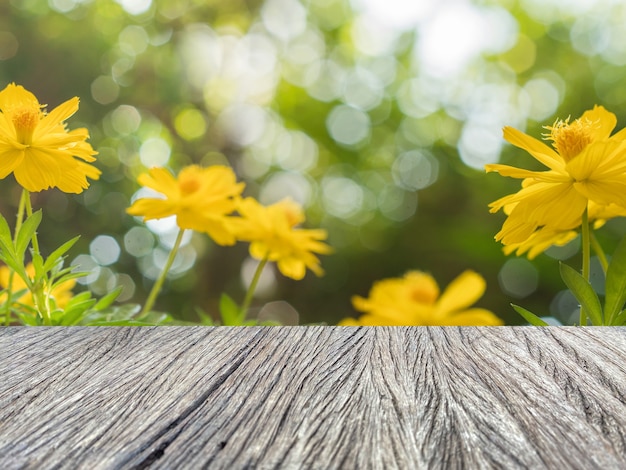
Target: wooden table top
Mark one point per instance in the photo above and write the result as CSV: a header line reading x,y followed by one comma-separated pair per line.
x,y
313,397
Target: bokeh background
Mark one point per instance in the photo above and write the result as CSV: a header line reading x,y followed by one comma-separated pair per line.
x,y
376,115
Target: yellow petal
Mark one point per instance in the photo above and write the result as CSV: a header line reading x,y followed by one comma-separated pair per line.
x,y
536,148
10,158
547,176
603,122
559,206
599,160
604,192
515,230
473,317
159,179
39,170
461,293
292,268
51,120
15,95
151,208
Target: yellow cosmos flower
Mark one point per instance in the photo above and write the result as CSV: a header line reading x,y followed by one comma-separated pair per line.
x,y
200,198
61,294
414,300
37,148
586,164
272,233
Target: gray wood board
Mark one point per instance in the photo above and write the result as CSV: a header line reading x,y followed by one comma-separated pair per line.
x,y
313,397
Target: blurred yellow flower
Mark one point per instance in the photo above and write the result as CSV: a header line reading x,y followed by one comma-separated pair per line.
x,y
272,233
414,300
586,164
61,293
200,198
38,149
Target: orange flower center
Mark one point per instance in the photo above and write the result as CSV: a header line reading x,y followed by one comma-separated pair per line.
x,y
423,295
292,215
569,139
25,120
188,185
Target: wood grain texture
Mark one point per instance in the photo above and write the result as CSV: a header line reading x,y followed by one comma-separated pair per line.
x,y
313,397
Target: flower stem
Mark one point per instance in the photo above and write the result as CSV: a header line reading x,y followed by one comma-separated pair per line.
x,y
29,212
40,297
156,288
19,218
597,248
252,287
586,251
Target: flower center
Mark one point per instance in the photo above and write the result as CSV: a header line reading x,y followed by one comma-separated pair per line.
x,y
423,295
25,121
569,139
189,185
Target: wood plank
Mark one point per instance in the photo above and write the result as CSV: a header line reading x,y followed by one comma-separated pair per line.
x,y
313,397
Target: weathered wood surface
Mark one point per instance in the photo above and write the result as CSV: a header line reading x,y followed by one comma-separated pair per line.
x,y
313,397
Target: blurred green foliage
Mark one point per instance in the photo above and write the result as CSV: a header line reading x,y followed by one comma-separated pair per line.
x,y
376,115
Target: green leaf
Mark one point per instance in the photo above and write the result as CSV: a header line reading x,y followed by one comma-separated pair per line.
x,y
68,277
54,257
205,318
123,316
74,314
620,319
28,319
615,289
26,232
108,299
7,249
6,242
18,268
230,312
584,293
529,316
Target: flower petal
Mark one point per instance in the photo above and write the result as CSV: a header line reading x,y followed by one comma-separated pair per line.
x,y
10,158
16,95
473,317
39,170
603,122
547,176
466,289
536,148
51,120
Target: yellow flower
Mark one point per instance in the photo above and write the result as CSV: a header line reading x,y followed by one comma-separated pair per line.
x,y
272,234
37,148
61,294
414,300
586,164
200,198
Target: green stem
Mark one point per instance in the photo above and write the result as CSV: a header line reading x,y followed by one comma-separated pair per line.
x,y
19,218
252,287
586,249
40,297
597,248
20,213
156,288
29,212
